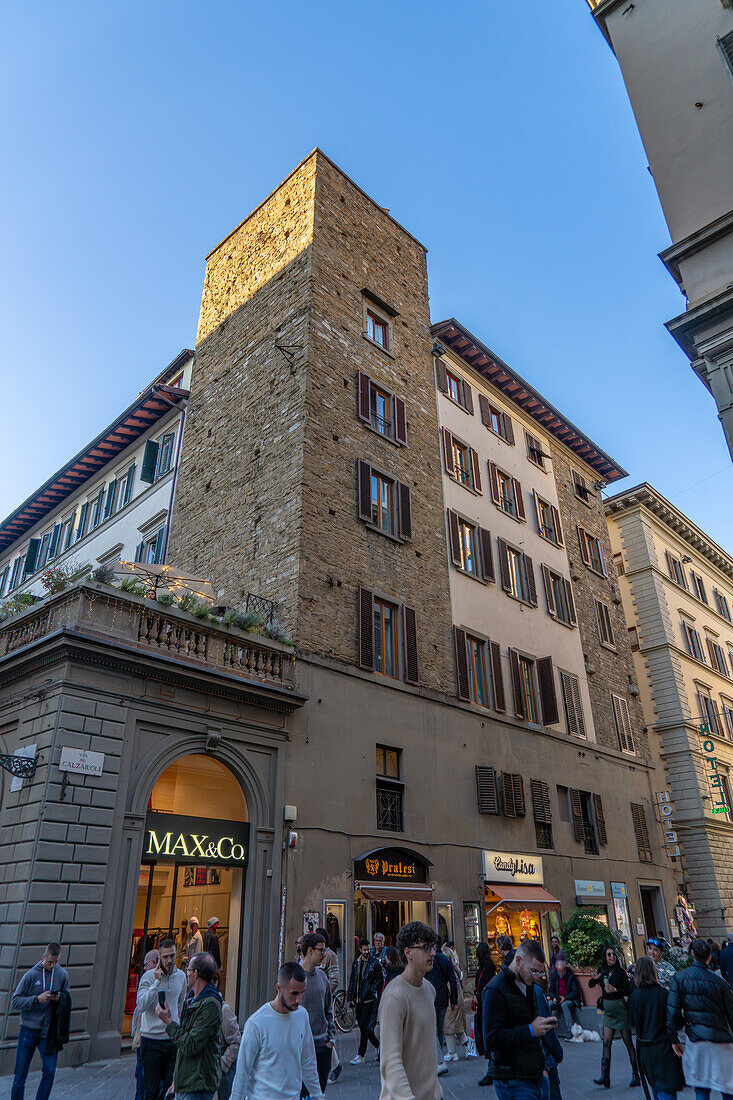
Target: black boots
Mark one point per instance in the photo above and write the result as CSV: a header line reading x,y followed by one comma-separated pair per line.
x,y
634,1082
605,1078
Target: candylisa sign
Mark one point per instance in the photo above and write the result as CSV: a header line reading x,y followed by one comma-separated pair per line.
x,y
174,838
507,867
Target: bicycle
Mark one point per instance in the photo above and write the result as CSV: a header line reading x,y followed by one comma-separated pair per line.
x,y
343,1013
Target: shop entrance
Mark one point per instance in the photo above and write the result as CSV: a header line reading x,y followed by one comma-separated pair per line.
x,y
193,866
652,908
390,889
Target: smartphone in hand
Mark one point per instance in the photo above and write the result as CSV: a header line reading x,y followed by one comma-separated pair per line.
x,y
161,1000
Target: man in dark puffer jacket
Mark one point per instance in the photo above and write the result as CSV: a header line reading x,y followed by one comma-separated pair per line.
x,y
702,1003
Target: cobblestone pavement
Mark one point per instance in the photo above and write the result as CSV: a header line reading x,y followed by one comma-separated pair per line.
x,y
115,1080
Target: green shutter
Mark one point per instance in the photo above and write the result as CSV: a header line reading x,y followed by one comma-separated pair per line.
x,y
82,521
150,459
158,552
111,494
139,551
31,557
54,543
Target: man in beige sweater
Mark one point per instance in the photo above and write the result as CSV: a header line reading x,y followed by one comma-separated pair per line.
x,y
407,1059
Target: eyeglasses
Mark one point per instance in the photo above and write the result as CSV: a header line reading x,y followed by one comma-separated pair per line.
x,y
429,947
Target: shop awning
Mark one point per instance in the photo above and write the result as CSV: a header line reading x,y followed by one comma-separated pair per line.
x,y
375,892
516,896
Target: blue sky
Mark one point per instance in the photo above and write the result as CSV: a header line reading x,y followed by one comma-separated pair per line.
x,y
135,136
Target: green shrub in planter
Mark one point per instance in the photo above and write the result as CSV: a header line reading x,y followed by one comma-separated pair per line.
x,y
584,938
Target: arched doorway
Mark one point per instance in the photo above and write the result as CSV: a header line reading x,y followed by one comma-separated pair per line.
x,y
194,860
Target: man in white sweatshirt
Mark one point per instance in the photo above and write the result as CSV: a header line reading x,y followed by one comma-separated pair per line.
x,y
158,1054
277,1055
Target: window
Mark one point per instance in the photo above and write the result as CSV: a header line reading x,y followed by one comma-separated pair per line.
x,y
559,596
454,386
542,813
591,551
379,630
641,832
127,484
721,602
633,637
570,686
385,504
68,531
534,451
717,657
43,552
470,547
727,714
525,691
580,487
381,410
377,329
727,806
467,547
618,561
548,521
461,462
390,789
605,628
382,503
17,572
506,492
111,498
709,711
517,574
498,422
380,407
177,382
165,454
692,640
623,723
477,687
676,570
4,579
698,587
150,550
81,527
54,545
589,823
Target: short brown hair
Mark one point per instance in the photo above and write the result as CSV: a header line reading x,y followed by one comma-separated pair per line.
x,y
645,972
309,940
413,933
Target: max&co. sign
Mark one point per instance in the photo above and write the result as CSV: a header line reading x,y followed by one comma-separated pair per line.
x,y
174,838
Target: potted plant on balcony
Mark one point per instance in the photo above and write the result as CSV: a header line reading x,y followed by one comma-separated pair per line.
x,y
584,937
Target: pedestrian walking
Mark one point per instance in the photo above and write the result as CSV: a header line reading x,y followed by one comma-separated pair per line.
x,y
365,987
195,943
181,942
552,1049
564,994
332,970
408,1065
656,947
211,941
392,964
726,960
157,1052
648,1016
231,1037
714,955
454,1026
149,963
513,1027
378,948
556,952
318,1003
504,946
442,977
702,1003
486,971
37,997
197,1037
277,1055
615,986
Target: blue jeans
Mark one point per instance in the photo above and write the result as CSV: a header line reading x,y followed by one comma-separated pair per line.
x,y
519,1089
28,1040
194,1096
663,1095
139,1090
704,1094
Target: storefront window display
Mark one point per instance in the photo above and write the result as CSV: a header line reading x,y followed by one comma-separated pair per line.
x,y
515,899
518,924
472,932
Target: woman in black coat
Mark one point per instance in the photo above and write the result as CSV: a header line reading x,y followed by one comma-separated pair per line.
x,y
648,1013
486,971
614,983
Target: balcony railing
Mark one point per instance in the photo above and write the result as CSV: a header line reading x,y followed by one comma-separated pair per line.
x,y
100,612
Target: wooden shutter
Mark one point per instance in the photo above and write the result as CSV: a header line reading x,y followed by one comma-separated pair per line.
x,y
139,551
713,655
409,637
497,677
536,500
670,566
487,560
623,723
476,469
363,403
571,601
506,580
54,543
583,546
548,695
441,375
31,557
364,483
483,404
488,802
159,544
150,461
508,428
516,684
455,542
529,567
404,513
467,397
448,452
519,499
541,810
459,644
558,525
111,494
576,812
366,629
400,421
641,832
512,790
600,819
549,594
81,529
602,552
494,485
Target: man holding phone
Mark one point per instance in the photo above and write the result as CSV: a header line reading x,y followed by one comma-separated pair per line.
x,y
164,986
513,1030
35,996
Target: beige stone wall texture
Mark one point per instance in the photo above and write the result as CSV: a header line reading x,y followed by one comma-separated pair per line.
x,y
607,670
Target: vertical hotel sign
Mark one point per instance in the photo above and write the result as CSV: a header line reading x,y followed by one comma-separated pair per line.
x,y
666,817
710,764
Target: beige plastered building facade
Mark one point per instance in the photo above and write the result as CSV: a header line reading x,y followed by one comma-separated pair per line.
x,y
677,591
